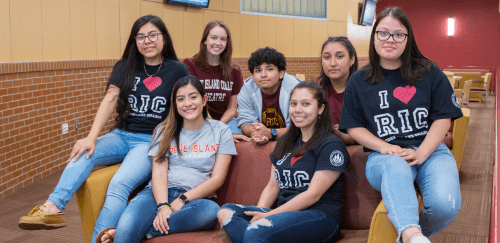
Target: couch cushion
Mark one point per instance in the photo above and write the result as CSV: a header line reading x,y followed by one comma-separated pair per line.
x,y
360,198
211,236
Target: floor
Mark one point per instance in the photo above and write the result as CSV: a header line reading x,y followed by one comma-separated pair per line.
x,y
471,224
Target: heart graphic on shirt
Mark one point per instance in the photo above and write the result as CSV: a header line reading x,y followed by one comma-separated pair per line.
x,y
152,83
293,160
405,93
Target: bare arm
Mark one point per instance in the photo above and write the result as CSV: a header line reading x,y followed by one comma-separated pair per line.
x,y
343,136
106,108
262,134
230,112
270,192
160,192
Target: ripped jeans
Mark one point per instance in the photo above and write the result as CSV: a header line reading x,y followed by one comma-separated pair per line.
x,y
294,226
437,180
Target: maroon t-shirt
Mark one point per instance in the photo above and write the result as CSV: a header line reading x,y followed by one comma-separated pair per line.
x,y
218,91
271,112
335,101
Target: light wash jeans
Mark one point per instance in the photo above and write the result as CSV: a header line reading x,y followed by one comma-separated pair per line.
x,y
233,125
437,180
112,148
137,219
295,226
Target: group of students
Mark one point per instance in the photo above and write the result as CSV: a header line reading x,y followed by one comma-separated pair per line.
x,y
178,131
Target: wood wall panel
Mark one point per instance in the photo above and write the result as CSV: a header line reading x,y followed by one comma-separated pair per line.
x,y
130,11
319,34
301,37
267,31
193,21
284,36
231,6
249,34
26,30
56,40
108,29
153,8
5,47
174,20
232,21
83,37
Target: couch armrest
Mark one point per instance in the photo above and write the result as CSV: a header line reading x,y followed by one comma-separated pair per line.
x,y
459,132
381,229
91,196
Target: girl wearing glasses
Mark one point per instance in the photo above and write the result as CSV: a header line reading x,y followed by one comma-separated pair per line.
x,y
138,90
338,61
219,74
399,107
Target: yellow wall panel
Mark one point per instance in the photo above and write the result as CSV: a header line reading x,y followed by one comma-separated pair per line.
x,y
151,8
232,21
193,21
130,11
26,30
174,20
284,36
249,34
337,28
5,48
337,10
108,29
319,34
231,6
267,31
215,5
353,11
301,37
83,37
56,41
209,15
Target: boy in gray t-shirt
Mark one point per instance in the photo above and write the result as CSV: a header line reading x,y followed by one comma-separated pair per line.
x,y
199,148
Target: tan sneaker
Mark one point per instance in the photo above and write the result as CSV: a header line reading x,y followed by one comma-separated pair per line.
x,y
38,219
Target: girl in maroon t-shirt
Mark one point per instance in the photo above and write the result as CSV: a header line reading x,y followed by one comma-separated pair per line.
x,y
220,76
338,62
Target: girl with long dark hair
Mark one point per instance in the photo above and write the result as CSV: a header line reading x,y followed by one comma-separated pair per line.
x,y
400,107
338,61
191,155
221,77
306,180
139,91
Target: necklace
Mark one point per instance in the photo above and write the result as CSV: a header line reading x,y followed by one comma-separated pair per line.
x,y
153,73
198,138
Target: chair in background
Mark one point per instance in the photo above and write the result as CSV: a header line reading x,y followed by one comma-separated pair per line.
x,y
453,82
463,94
300,76
485,89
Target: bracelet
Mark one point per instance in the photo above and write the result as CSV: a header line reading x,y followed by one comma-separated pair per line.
x,y
162,205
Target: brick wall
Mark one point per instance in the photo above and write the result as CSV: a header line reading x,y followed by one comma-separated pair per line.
x,y
36,98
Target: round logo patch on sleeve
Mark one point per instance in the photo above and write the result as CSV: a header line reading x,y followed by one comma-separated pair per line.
x,y
337,158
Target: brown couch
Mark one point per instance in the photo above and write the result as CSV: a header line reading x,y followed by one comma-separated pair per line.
x,y
364,217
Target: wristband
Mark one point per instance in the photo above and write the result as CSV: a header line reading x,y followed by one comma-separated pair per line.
x,y
162,205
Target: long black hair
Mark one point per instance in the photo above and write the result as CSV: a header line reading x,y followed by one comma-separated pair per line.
x,y
125,70
325,80
322,128
414,64
170,129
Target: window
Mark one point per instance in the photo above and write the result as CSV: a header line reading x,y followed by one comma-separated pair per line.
x,y
287,8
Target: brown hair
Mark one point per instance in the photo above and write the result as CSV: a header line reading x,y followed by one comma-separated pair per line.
x,y
225,57
170,129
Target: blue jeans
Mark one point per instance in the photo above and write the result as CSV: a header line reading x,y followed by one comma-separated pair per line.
x,y
295,226
137,219
233,125
437,180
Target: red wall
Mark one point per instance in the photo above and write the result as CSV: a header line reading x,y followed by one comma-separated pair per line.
x,y
477,33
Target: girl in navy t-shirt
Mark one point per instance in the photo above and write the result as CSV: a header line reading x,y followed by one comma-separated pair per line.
x,y
399,107
306,181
